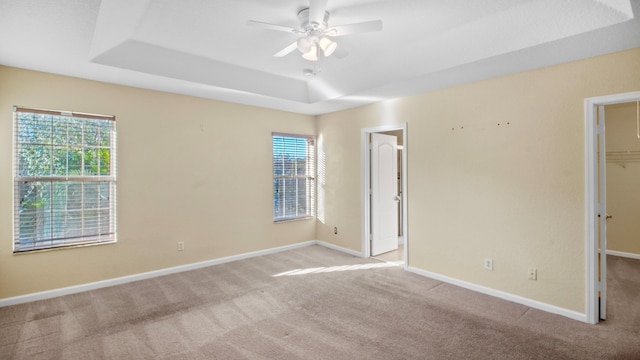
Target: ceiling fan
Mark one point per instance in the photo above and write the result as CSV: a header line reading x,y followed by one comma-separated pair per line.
x,y
316,33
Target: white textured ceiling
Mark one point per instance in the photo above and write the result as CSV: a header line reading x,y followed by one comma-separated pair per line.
x,y
205,48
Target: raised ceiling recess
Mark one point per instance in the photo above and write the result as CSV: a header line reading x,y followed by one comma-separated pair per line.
x,y
206,49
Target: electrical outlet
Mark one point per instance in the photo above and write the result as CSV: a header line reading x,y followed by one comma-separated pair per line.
x,y
532,274
488,264
335,230
180,245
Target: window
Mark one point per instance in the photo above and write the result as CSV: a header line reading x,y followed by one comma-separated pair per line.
x,y
64,179
294,184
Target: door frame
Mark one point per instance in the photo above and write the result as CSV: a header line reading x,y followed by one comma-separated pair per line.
x,y
365,175
591,197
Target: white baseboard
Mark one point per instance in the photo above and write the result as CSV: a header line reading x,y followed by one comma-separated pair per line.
x,y
502,295
623,254
142,276
339,248
172,270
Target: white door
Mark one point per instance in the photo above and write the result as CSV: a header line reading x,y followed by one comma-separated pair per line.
x,y
384,193
602,214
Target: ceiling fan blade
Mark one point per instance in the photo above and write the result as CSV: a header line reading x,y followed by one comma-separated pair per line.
x,y
264,25
317,9
286,51
340,52
367,26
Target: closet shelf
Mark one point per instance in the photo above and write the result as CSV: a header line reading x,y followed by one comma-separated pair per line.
x,y
623,157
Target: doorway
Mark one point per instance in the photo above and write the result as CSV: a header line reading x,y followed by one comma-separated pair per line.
x,y
623,177
595,202
369,224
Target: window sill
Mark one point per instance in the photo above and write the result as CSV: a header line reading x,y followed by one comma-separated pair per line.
x,y
293,219
24,252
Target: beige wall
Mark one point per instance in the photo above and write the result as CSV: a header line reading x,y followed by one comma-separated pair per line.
x,y
513,192
623,179
189,169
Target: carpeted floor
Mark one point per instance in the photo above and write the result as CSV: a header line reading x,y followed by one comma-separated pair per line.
x,y
313,303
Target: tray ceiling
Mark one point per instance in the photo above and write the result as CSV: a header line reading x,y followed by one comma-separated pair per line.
x,y
205,48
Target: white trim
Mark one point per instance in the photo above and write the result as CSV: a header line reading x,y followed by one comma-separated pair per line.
x,y
146,275
365,192
340,248
591,213
405,197
365,186
591,246
623,254
502,295
151,274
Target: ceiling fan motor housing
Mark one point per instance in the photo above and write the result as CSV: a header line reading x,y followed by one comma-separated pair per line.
x,y
303,17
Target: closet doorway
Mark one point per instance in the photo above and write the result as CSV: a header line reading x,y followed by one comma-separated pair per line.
x,y
598,158
622,134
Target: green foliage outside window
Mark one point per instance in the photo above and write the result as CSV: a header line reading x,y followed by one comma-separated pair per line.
x,y
64,179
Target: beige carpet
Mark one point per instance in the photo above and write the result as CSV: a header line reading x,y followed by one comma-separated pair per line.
x,y
323,305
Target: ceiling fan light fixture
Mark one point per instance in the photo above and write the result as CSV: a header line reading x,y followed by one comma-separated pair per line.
x,y
305,44
312,54
327,45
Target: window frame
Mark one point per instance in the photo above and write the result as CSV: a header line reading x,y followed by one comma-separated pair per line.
x,y
84,181
309,178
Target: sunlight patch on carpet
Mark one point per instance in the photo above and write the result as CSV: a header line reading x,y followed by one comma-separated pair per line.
x,y
329,269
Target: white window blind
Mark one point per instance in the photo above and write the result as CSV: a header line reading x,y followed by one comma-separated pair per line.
x,y
64,179
294,184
